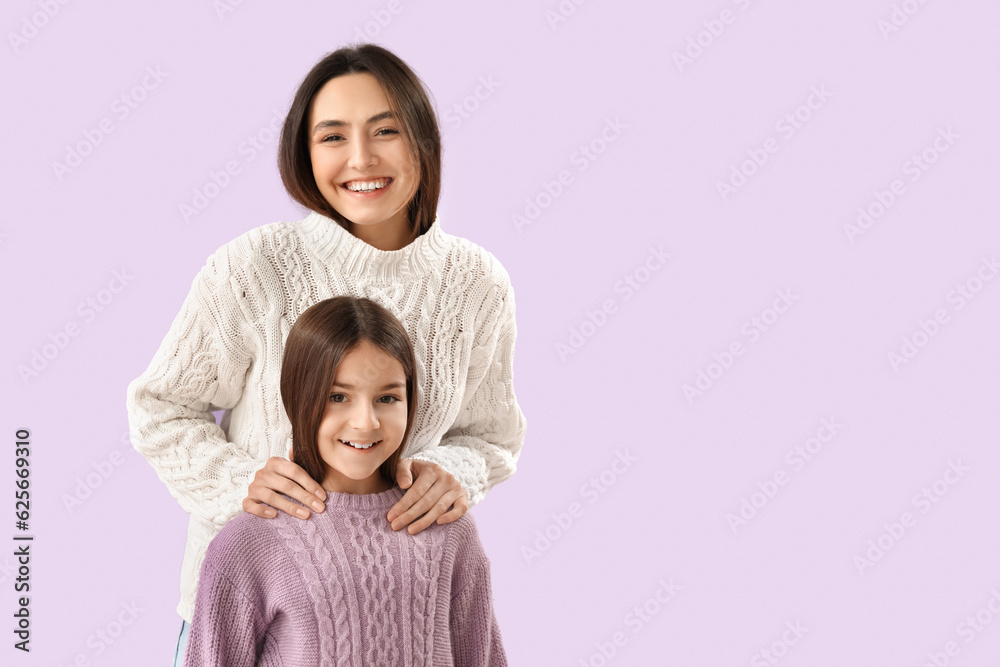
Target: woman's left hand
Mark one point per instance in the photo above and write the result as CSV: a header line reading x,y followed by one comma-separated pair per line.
x,y
433,494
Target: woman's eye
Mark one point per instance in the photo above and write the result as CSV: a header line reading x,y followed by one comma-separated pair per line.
x,y
331,138
387,130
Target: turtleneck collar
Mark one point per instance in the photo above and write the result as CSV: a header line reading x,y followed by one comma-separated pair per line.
x,y
332,243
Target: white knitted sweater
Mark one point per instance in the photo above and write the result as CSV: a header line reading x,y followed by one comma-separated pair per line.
x,y
224,350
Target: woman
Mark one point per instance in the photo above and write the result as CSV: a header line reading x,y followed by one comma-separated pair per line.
x,y
361,149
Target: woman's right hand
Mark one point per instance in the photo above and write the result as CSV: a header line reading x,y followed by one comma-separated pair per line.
x,y
283,476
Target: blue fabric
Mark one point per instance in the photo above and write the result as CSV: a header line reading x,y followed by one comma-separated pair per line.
x,y
182,641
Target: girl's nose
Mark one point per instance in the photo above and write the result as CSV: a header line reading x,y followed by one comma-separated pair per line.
x,y
363,417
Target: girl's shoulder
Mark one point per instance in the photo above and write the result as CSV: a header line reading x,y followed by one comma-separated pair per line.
x,y
461,537
254,543
244,536
463,557
244,552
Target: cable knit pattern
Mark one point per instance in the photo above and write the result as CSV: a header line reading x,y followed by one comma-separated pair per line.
x,y
315,564
428,555
224,349
342,588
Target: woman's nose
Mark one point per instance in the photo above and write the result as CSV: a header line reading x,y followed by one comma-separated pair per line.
x,y
361,155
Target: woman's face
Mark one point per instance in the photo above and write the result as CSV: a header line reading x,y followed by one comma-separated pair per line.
x,y
360,158
364,420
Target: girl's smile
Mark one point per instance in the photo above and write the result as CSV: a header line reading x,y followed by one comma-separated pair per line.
x,y
364,420
360,444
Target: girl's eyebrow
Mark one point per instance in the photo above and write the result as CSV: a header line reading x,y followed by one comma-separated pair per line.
x,y
324,124
392,385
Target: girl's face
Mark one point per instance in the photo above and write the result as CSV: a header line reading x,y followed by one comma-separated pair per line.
x,y
360,158
364,420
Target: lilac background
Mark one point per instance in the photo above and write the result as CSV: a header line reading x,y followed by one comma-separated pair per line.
x,y
619,394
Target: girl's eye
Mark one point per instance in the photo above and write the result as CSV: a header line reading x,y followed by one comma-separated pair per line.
x,y
337,398
388,399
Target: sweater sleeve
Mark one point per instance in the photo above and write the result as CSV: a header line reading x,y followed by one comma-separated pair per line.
x,y
227,627
200,367
482,446
475,634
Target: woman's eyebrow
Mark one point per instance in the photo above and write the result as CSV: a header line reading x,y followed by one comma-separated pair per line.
x,y
324,124
391,385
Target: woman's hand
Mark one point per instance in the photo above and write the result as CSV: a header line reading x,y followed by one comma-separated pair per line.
x,y
283,476
434,496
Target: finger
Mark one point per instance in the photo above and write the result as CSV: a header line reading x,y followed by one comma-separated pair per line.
x,y
291,479
420,507
258,509
425,480
279,502
436,511
459,507
404,474
268,483
404,511
280,495
296,473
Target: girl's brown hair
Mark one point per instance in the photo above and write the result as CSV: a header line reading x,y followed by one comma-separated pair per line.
x,y
408,101
317,343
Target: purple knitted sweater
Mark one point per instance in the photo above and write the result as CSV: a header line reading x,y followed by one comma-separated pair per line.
x,y
342,588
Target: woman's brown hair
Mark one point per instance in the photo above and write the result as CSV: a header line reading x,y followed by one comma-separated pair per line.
x,y
317,343
408,101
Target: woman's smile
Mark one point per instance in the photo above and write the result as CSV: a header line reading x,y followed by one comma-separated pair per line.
x,y
368,188
361,159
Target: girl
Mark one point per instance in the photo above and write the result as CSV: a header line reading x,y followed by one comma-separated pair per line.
x,y
344,588
360,148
